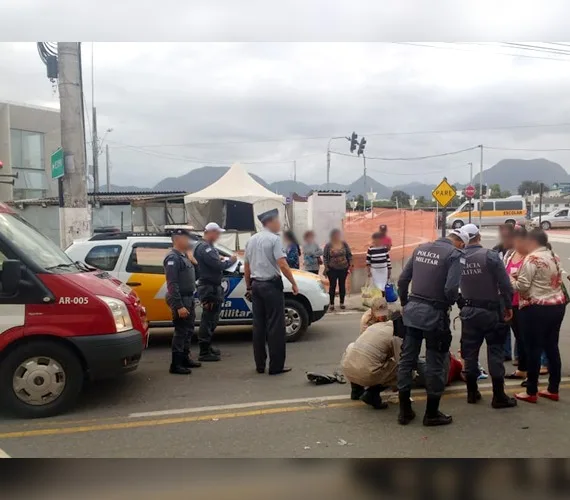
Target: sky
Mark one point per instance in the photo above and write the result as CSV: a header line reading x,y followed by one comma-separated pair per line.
x,y
177,106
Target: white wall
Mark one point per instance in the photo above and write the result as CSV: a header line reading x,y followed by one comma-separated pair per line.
x,y
300,218
326,211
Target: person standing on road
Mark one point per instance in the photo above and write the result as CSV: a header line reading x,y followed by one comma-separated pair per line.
x,y
337,258
292,249
378,262
312,253
386,240
486,310
434,271
211,269
181,285
265,260
543,300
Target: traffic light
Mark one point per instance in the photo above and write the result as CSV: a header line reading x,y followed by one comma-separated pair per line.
x,y
361,146
353,142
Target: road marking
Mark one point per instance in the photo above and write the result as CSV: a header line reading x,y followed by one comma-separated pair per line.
x,y
310,400
3,454
208,418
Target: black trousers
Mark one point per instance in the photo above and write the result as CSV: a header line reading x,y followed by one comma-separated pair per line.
x,y
541,327
212,297
519,339
268,324
183,327
337,276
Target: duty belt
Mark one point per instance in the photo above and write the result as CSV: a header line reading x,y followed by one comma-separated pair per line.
x,y
436,304
483,304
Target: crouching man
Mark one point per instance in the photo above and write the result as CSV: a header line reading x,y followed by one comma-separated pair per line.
x,y
370,363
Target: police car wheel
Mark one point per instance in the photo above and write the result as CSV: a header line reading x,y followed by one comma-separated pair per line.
x,y
296,320
457,224
546,225
40,379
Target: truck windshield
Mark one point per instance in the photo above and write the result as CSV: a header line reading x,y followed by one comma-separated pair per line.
x,y
35,245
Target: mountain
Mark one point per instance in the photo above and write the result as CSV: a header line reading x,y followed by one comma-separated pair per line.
x,y
196,180
509,174
417,189
287,187
359,187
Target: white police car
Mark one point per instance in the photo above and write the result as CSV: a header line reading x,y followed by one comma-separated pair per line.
x,y
137,260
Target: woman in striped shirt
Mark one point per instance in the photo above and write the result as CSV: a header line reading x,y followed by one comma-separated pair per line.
x,y
542,307
378,261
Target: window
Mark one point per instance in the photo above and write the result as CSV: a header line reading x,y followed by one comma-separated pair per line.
x,y
562,213
104,257
508,205
488,206
148,258
28,161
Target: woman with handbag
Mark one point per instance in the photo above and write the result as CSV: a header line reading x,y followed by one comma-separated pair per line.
x,y
542,303
337,258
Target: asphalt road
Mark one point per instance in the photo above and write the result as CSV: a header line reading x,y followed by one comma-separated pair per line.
x,y
226,409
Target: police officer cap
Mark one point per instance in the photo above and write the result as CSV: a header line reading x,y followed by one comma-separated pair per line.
x,y
181,232
267,216
462,235
471,230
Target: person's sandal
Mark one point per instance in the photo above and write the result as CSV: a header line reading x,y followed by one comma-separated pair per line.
x,y
331,308
527,398
544,370
516,375
342,306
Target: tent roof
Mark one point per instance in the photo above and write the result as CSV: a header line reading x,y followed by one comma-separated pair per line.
x,y
236,185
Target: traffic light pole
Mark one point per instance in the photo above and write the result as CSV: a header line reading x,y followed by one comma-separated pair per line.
x,y
481,190
329,158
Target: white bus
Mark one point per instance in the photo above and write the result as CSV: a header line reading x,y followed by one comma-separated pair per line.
x,y
495,211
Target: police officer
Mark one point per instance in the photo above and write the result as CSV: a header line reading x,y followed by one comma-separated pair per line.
x,y
434,270
265,260
211,270
486,309
181,284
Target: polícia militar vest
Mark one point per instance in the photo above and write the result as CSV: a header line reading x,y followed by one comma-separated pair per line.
x,y
477,282
429,272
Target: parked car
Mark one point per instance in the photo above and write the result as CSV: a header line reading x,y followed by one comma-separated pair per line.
x,y
137,260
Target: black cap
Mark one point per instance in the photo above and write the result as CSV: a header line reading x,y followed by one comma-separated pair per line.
x,y
267,216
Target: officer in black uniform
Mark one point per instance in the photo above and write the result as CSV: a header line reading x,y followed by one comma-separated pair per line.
x,y
434,270
181,285
211,271
486,309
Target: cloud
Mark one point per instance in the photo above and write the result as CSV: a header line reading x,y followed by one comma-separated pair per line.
x,y
178,106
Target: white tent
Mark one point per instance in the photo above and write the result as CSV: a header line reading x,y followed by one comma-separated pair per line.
x,y
234,201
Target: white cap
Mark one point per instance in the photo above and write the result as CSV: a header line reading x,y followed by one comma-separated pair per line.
x,y
463,236
212,226
471,230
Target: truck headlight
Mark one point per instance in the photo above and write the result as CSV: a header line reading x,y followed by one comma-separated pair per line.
x,y
120,313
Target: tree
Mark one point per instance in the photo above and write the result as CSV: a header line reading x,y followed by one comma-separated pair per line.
x,y
400,197
528,187
422,202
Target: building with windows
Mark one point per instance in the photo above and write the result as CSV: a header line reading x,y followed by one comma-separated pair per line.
x,y
28,137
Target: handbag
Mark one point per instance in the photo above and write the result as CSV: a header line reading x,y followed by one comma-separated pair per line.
x,y
562,285
368,293
390,293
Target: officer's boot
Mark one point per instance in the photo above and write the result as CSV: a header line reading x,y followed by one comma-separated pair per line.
x,y
177,365
372,397
215,350
206,354
473,394
356,391
189,362
406,414
500,399
433,416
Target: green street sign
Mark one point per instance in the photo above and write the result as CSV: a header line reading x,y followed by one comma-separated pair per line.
x,y
57,164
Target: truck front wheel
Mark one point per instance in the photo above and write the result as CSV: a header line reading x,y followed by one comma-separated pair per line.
x,y
40,379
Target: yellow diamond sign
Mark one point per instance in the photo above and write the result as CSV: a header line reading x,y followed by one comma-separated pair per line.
x,y
444,193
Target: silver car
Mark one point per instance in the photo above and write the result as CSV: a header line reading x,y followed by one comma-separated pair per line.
x,y
557,218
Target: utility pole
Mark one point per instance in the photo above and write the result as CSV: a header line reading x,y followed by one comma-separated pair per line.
x,y
294,170
470,173
75,215
108,168
481,190
365,183
95,144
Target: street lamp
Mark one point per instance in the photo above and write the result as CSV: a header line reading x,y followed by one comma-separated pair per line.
x,y
371,198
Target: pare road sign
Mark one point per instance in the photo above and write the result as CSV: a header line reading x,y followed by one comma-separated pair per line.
x,y
444,193
470,191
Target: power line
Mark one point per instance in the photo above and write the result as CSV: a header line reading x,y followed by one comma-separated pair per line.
x,y
448,47
448,153
371,134
536,48
527,149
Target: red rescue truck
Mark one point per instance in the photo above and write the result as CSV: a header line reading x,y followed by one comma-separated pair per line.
x,y
61,323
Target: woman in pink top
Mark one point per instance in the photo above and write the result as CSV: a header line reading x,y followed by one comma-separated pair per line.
x,y
513,261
